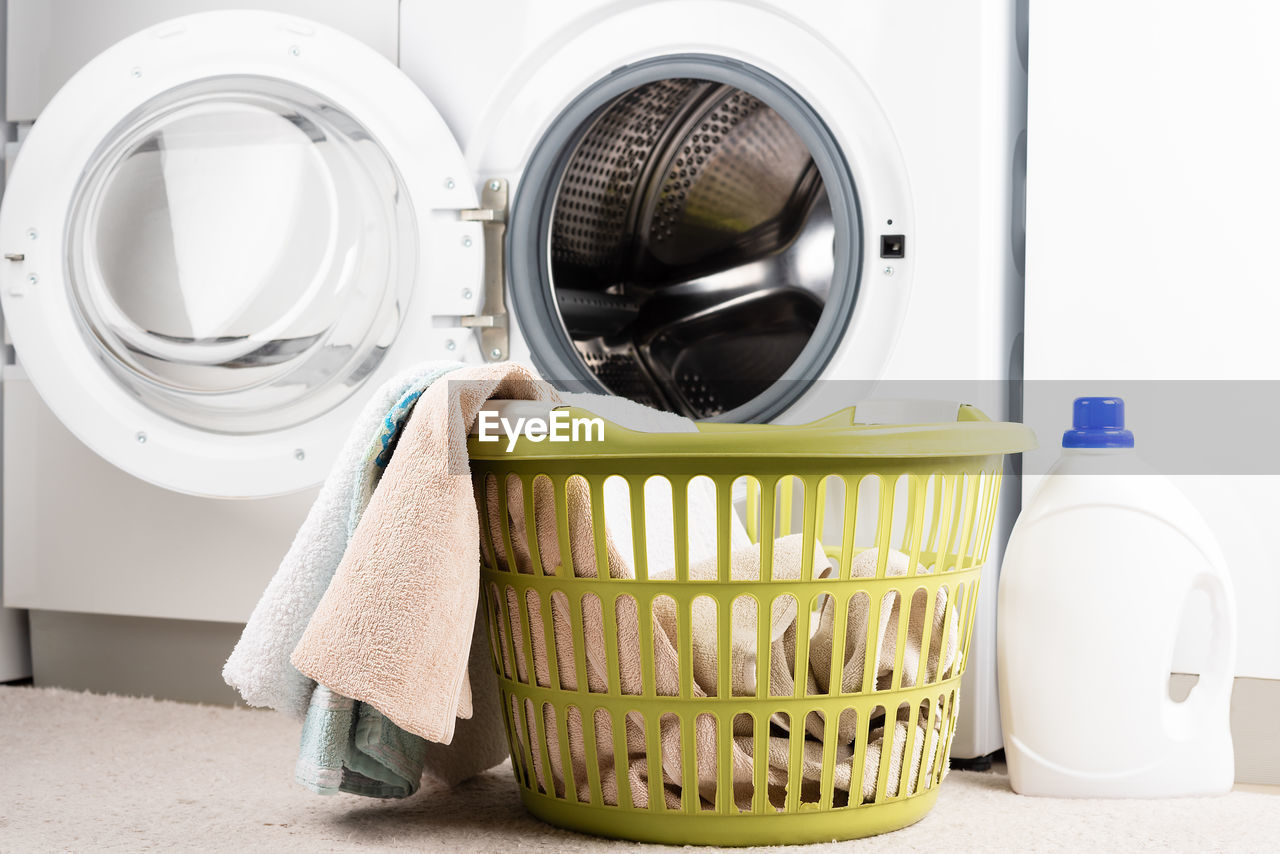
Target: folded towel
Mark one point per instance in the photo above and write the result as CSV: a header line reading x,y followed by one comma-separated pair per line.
x,y
259,666
394,628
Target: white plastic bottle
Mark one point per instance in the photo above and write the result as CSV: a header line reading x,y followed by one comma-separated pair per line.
x,y
1095,578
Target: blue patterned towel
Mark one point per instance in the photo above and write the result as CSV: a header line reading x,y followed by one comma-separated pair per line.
x,y
349,746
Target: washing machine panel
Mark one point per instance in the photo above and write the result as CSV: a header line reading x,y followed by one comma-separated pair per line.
x,y
220,230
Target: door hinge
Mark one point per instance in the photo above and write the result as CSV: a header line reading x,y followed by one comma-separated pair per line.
x,y
490,322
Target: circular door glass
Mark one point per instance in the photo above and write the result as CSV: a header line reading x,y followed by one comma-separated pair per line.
x,y
240,254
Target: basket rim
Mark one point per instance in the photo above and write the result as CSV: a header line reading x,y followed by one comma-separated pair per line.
x,y
972,434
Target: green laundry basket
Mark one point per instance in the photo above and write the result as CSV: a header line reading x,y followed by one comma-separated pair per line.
x,y
582,752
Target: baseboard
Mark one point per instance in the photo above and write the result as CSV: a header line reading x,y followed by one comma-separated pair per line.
x,y
1253,726
138,656
182,660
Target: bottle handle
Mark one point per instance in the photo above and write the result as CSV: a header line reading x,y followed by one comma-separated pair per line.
x,y
1219,670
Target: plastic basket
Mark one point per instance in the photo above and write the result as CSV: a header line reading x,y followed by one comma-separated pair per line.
x,y
928,491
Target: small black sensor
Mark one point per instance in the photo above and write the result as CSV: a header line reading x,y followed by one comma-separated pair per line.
x,y
893,245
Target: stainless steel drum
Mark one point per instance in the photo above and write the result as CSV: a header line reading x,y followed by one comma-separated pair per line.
x,y
691,246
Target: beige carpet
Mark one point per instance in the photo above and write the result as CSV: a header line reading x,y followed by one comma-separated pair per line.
x,y
82,772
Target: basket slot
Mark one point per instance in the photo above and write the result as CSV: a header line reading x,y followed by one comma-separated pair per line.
x,y
970,605
915,510
905,781
526,665
923,731
632,734
543,642
810,788
782,661
653,761
570,773
725,791
542,755
663,644
639,538
795,763
949,710
562,656
518,653
764,650
852,488
680,526
612,665
966,517
706,793
533,542
820,606
785,501
724,525
943,750
740,658
830,758
884,524
751,505
607,759
508,552
846,724
742,785
627,614
707,635
481,486
829,522
989,511
858,612
520,712
871,652
568,565
901,640
923,607
802,640
776,786
684,631
767,489
724,636
648,680
497,643
592,759
552,757
595,489
579,645
888,729
809,493
760,763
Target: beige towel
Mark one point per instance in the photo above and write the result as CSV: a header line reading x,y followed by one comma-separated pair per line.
x,y
394,628
744,565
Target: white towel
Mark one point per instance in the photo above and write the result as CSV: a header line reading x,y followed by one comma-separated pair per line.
x,y
259,666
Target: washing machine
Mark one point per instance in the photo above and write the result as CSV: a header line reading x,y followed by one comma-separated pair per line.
x,y
224,231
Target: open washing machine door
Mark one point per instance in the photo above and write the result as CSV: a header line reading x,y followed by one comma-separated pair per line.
x,y
220,231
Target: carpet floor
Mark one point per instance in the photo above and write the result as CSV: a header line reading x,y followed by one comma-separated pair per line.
x,y
85,772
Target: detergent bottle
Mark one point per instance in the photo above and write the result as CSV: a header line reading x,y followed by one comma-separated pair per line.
x,y
1099,568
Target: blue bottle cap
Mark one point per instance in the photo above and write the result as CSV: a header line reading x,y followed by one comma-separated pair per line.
x,y
1097,422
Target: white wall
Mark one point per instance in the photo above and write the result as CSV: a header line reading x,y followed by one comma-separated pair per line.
x,y
1153,222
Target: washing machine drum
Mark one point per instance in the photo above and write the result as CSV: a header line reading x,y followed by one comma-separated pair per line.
x,y
691,247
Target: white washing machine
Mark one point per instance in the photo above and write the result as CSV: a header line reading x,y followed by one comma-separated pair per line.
x,y
222,232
